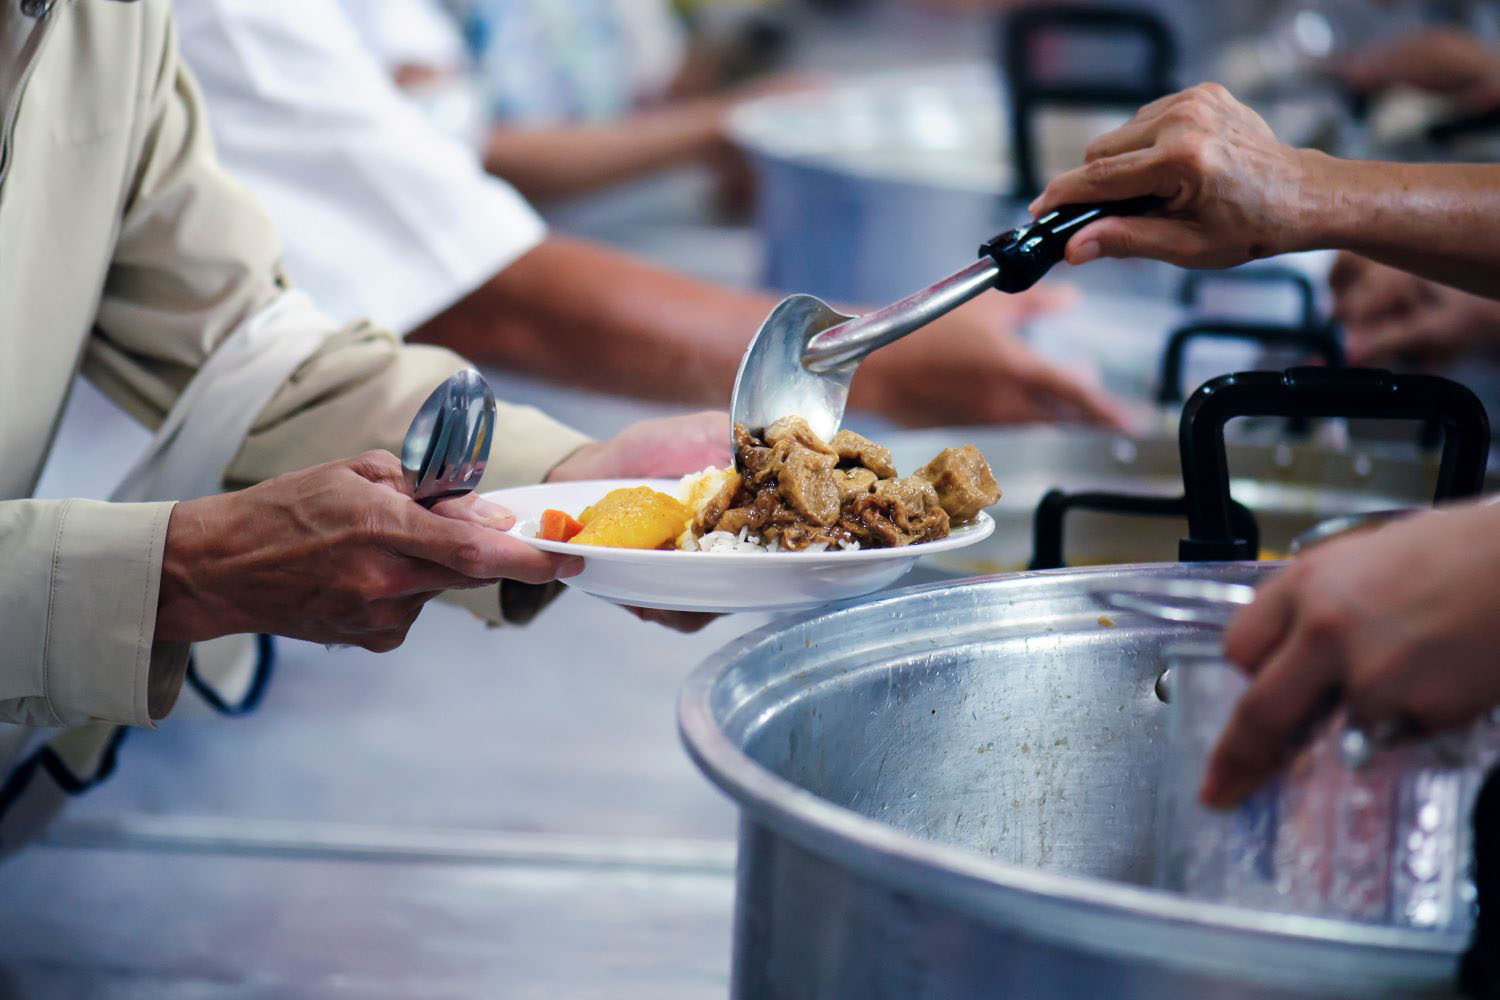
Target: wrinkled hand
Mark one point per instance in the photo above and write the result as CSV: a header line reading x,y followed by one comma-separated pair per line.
x,y
1403,623
1232,191
1445,61
970,367
338,553
664,447
1392,317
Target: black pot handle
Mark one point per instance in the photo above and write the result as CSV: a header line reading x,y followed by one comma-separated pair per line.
x,y
1028,91
1320,341
1047,526
1355,393
1259,274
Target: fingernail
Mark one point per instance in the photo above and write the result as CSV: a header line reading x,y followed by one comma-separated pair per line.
x,y
1034,203
1083,253
571,566
491,511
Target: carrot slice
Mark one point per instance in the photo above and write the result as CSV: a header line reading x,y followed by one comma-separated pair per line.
x,y
558,526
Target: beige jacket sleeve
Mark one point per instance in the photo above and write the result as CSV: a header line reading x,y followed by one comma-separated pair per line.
x,y
196,257
193,259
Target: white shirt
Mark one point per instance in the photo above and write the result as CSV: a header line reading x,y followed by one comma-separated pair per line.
x,y
381,213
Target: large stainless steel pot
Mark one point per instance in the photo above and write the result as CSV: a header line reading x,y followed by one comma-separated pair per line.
x,y
951,792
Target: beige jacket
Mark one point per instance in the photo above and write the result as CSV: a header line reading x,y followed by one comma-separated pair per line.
x,y
125,250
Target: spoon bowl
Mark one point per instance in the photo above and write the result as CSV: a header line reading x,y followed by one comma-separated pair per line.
x,y
773,382
448,442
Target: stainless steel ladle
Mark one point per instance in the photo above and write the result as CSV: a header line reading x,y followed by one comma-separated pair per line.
x,y
802,359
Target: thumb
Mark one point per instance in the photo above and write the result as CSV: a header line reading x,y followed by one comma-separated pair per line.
x,y
1156,238
476,509
477,552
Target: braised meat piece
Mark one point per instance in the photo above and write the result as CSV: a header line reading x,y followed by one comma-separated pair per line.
x,y
854,482
713,512
794,430
806,481
732,521
963,481
900,512
753,457
799,491
856,450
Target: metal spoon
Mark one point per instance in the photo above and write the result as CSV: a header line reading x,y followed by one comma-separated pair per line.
x,y
448,443
804,355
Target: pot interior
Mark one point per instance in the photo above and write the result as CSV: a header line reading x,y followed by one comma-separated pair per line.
x,y
1032,742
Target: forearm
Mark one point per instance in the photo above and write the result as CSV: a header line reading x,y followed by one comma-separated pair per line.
x,y
1435,220
600,319
562,160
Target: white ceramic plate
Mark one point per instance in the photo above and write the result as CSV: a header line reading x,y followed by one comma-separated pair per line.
x,y
715,581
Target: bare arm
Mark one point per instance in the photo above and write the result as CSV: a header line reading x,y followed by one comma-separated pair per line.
x,y
594,317
590,316
556,161
1437,220
1233,192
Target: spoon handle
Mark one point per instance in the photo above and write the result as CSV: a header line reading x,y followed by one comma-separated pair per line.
x,y
852,339
1011,262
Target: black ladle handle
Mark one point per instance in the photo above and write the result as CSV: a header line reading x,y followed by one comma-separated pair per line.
x,y
1027,252
1354,393
1047,549
1320,342
1011,262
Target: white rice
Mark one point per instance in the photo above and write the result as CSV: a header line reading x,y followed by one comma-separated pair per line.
x,y
723,541
697,490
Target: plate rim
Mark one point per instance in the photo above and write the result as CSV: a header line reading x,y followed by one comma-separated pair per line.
x,y
967,534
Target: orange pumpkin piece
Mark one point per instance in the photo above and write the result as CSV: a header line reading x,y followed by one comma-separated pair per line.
x,y
558,526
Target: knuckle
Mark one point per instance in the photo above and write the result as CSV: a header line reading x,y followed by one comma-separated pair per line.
x,y
1325,621
1188,114
372,583
1098,171
377,458
1212,90
1193,155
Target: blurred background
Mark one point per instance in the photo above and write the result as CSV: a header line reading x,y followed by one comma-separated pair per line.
x,y
513,803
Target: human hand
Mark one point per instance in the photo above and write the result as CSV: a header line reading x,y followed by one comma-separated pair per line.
x,y
664,447
1393,317
338,553
1231,191
1401,623
1445,61
970,367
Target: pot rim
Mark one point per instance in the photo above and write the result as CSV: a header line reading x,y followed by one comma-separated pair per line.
x,y
1106,917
